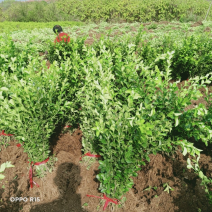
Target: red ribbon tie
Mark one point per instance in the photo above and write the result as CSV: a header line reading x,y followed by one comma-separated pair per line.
x,y
68,126
31,172
107,200
2,133
19,145
90,155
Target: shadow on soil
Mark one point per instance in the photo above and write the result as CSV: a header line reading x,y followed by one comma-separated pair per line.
x,y
67,184
11,204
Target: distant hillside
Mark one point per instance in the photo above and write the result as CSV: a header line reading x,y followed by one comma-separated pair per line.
x,y
48,1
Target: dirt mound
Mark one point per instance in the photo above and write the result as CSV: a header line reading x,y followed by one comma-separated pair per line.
x,y
199,23
164,22
207,29
65,189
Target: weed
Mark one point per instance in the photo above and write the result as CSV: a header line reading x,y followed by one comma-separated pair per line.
x,y
167,187
153,26
3,167
44,168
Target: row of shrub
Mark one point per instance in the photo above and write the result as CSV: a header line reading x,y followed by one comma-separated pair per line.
x,y
118,119
121,122
105,10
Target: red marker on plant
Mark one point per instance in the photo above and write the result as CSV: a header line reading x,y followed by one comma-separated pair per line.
x,y
19,145
90,155
31,171
68,126
2,133
108,200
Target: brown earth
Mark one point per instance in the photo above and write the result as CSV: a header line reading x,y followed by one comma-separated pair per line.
x,y
199,23
164,22
65,189
207,29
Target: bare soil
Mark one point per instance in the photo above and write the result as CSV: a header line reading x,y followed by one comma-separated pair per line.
x,y
65,189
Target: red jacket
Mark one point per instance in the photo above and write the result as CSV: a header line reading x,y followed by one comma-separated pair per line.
x,y
62,36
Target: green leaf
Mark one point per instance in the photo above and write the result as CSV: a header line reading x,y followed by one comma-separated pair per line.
x,y
97,133
3,166
148,132
4,89
2,176
112,186
154,152
126,190
128,160
144,144
147,158
143,163
176,121
108,191
184,151
134,174
103,141
189,166
201,175
153,144
8,165
85,204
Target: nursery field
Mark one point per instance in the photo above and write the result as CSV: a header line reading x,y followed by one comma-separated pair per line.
x,y
138,125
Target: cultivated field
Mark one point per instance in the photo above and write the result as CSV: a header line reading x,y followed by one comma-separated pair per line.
x,y
114,92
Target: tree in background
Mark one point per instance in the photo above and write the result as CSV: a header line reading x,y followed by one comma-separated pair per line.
x,y
6,4
38,11
33,11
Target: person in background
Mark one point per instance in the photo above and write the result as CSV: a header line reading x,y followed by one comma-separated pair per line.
x,y
57,29
60,34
